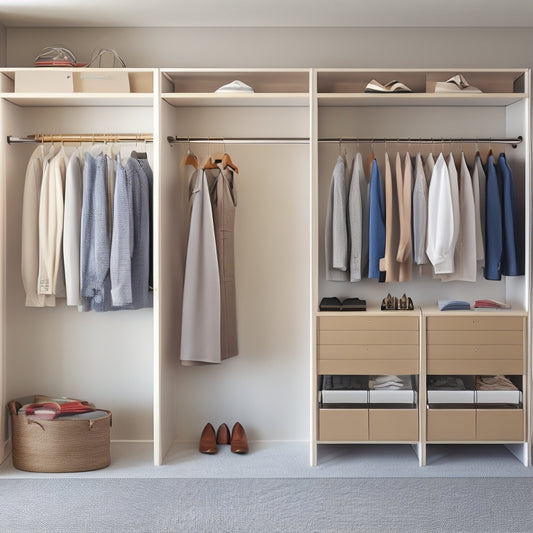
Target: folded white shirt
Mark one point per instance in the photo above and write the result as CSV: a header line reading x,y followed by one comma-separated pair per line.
x,y
235,86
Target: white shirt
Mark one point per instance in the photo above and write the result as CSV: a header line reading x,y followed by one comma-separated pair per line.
x,y
440,228
465,248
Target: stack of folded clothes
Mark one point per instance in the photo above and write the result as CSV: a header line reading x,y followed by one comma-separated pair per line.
x,y
453,305
343,383
494,383
390,382
445,383
491,304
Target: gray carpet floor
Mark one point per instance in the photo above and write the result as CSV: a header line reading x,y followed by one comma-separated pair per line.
x,y
378,505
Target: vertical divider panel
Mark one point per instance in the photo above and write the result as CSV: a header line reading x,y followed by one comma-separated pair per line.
x,y
313,117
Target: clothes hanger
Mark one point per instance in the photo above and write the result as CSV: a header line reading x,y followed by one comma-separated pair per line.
x,y
190,158
227,162
371,157
209,162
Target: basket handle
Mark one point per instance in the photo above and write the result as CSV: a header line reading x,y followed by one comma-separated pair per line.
x,y
33,421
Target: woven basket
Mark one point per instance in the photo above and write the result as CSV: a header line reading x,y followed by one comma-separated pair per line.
x,y
60,445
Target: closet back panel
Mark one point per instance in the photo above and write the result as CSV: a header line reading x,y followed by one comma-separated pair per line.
x,y
408,122
272,258
106,358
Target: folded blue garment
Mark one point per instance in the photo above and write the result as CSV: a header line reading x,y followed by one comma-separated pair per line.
x,y
453,305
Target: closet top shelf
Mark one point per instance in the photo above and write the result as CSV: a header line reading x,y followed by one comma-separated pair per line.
x,y
419,99
237,99
79,99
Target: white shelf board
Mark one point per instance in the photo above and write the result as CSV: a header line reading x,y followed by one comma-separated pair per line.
x,y
237,100
79,99
419,99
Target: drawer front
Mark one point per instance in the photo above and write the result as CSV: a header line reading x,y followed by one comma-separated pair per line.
x,y
367,351
343,425
368,337
367,323
475,366
367,366
451,425
500,424
475,351
475,323
494,337
393,425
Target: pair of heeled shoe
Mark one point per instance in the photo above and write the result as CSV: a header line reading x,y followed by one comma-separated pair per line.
x,y
391,303
209,441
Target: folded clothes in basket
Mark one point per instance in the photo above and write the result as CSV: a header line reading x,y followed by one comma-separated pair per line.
x,y
51,410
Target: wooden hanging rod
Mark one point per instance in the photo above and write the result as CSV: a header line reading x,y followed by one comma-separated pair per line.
x,y
84,137
238,140
515,141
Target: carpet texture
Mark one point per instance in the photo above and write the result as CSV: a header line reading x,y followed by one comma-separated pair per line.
x,y
267,505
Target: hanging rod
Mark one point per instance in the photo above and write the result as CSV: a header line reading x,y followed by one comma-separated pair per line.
x,y
84,137
514,142
239,140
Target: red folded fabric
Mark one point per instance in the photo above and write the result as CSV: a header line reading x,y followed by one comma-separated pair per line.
x,y
51,410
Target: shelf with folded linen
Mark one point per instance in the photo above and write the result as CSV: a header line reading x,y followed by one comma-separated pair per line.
x,y
368,408
475,409
455,391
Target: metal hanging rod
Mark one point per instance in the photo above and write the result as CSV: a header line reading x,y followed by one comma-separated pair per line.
x,y
84,137
238,140
515,141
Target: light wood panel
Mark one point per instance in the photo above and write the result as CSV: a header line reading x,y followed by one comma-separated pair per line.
x,y
485,323
500,424
367,351
491,337
343,424
475,366
368,337
393,425
368,323
451,425
365,366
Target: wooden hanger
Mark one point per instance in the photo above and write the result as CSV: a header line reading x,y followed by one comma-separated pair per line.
x,y
227,162
189,158
209,163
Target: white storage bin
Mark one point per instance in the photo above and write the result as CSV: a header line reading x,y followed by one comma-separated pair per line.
x,y
499,396
44,81
345,396
451,396
392,396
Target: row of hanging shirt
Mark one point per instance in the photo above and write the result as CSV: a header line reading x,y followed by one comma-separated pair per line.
x,y
460,221
209,317
87,228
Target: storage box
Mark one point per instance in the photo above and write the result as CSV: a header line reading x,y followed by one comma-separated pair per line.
x,y
392,396
69,444
44,81
101,81
451,396
344,396
499,396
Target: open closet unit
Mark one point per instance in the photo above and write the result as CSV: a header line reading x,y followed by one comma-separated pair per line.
x,y
107,357
266,133
425,342
285,134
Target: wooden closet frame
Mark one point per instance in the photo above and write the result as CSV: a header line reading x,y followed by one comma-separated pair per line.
x,y
318,90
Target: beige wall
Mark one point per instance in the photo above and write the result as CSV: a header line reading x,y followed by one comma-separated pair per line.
x,y
285,47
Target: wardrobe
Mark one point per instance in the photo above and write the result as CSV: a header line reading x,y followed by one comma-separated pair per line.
x,y
284,137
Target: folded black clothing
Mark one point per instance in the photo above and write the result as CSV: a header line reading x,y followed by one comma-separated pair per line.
x,y
349,304
330,304
353,304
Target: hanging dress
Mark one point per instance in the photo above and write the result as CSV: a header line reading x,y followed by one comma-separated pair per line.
x,y
223,203
200,327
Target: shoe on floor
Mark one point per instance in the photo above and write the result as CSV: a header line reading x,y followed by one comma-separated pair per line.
x,y
455,84
223,435
208,441
239,442
393,86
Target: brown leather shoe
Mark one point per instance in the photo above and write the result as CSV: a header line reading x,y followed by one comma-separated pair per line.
x,y
239,443
223,436
208,443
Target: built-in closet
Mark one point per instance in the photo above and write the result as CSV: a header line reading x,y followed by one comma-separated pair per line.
x,y
425,341
285,138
